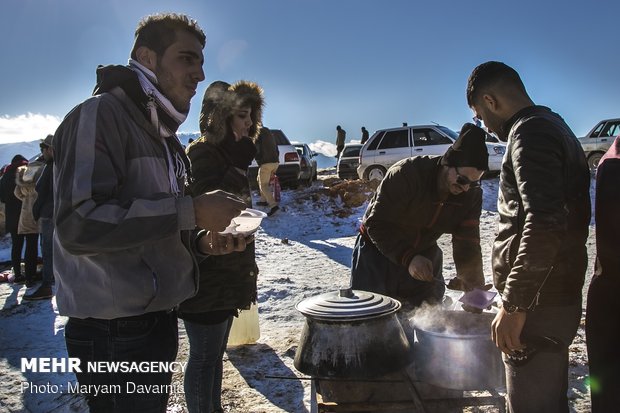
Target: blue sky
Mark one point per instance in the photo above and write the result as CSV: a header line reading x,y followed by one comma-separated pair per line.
x,y
323,62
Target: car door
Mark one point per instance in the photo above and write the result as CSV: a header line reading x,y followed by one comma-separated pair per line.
x,y
428,141
394,146
591,142
610,130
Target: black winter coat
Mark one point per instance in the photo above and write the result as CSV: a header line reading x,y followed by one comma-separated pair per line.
x,y
540,254
227,282
44,204
13,205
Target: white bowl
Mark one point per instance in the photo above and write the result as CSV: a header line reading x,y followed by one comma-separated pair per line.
x,y
246,223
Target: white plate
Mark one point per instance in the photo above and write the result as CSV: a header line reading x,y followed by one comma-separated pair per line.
x,y
246,223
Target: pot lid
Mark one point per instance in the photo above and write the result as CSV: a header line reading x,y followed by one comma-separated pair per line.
x,y
347,304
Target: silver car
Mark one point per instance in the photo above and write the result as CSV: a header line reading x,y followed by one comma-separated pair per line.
x,y
599,139
388,146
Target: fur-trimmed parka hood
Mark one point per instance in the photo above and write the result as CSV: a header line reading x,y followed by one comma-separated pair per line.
x,y
219,102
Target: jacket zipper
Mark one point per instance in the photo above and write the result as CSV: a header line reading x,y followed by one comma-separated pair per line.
x,y
534,302
437,212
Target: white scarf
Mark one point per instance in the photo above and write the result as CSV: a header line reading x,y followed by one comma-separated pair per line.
x,y
160,103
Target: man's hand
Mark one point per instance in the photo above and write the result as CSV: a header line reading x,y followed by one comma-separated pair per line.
x,y
421,268
506,330
221,244
214,210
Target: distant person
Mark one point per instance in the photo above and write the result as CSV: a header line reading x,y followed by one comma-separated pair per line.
x,y
539,254
12,210
364,135
267,158
602,319
43,212
230,119
341,135
126,245
420,199
25,180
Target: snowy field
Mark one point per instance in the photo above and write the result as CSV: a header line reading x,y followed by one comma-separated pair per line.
x,y
302,251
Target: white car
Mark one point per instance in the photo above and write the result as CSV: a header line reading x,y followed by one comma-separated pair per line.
x,y
599,139
388,146
289,170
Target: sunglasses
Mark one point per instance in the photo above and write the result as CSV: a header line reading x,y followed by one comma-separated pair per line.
x,y
463,180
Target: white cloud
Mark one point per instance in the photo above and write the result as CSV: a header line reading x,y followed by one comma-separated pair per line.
x,y
28,127
326,148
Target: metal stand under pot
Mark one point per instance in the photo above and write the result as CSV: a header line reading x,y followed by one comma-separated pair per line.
x,y
360,360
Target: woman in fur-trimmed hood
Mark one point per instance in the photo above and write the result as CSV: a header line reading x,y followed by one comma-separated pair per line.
x,y
230,119
221,156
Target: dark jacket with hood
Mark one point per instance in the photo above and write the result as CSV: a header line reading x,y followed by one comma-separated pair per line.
x,y
266,148
539,255
12,204
227,282
44,204
123,244
406,216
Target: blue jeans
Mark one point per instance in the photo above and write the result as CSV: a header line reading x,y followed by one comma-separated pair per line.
x,y
540,386
203,376
47,250
148,337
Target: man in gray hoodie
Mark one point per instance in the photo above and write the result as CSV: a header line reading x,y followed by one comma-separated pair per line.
x,y
127,244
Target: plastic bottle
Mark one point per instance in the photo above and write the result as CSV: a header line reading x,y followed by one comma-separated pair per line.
x,y
245,328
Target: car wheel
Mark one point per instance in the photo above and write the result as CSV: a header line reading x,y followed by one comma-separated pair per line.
x,y
593,160
375,172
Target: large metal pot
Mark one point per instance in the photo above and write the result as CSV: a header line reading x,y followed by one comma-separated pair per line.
x,y
455,351
351,334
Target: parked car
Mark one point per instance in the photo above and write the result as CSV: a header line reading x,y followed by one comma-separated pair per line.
x,y
289,170
307,163
349,161
599,139
388,146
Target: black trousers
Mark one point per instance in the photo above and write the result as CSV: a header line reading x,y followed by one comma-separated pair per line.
x,y
602,336
30,257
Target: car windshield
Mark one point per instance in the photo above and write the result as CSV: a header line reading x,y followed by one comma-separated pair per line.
x,y
448,132
351,152
279,137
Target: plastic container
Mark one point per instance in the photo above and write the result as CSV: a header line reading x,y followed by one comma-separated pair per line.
x,y
245,328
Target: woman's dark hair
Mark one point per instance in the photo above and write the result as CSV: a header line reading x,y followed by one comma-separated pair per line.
x,y
18,158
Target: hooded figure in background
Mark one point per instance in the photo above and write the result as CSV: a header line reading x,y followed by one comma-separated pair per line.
x,y
420,199
230,121
26,179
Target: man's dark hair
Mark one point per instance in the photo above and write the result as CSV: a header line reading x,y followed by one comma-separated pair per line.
x,y
158,31
489,75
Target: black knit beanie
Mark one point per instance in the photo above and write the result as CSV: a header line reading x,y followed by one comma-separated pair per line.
x,y
469,149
